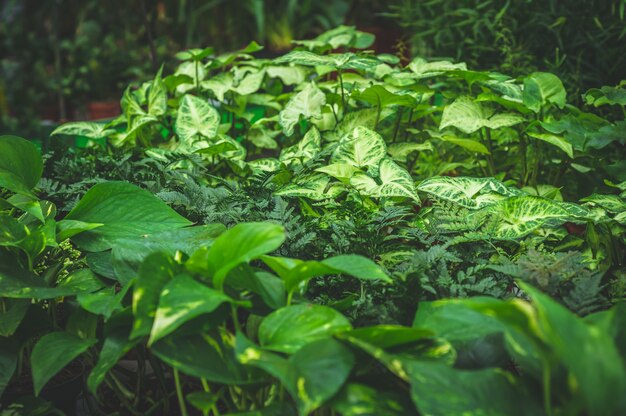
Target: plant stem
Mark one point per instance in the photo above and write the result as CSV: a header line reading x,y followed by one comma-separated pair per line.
x,y
398,120
236,324
490,163
343,98
523,145
179,394
546,390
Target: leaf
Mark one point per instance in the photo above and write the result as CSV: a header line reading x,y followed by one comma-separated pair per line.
x,y
361,400
52,353
518,216
205,357
472,193
541,88
423,69
20,164
586,350
11,317
241,244
307,103
16,283
196,118
124,210
469,144
9,353
400,151
379,96
439,389
361,148
129,252
157,96
341,171
312,375
290,328
69,228
181,300
104,302
289,75
88,129
469,116
395,182
362,118
294,271
304,150
554,140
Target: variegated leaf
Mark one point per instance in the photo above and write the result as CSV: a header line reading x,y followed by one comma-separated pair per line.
x,y
196,118
395,182
362,148
84,128
472,193
304,150
469,116
307,103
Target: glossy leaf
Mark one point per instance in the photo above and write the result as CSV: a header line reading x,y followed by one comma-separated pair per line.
x,y
291,328
52,353
125,211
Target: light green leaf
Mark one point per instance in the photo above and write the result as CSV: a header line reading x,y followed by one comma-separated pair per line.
x,y
379,96
423,69
196,118
361,148
89,129
472,193
304,150
289,75
307,103
469,116
395,182
400,151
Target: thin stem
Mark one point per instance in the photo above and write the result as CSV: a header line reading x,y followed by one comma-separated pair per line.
x,y
343,98
233,309
523,147
547,390
179,394
398,120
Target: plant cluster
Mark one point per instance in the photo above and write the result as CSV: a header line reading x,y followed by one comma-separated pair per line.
x,y
327,232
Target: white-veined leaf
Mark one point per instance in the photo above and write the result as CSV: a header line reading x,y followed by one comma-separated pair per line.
x,y
196,118
362,148
307,103
472,193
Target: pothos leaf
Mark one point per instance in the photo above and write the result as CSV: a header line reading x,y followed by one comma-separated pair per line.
x,y
307,103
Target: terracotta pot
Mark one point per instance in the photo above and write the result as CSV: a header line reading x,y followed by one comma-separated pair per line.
x,y
99,110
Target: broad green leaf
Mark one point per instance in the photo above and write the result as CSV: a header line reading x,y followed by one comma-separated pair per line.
x,y
114,348
361,148
81,281
157,96
12,232
241,244
154,273
387,336
469,144
395,182
27,203
124,210
249,84
129,252
9,355
587,351
295,271
307,103
472,193
196,118
16,283
291,328
469,116
606,95
53,352
541,88
312,375
203,400
88,129
611,203
205,357
346,36
555,140
438,389
361,400
181,300
11,316
69,228
104,302
20,164
304,150
518,216
379,96
314,187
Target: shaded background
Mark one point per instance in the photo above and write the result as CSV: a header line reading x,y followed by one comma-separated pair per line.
x,y
60,59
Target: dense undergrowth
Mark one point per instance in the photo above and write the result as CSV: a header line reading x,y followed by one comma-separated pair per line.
x,y
328,232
